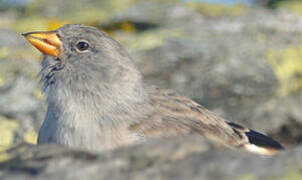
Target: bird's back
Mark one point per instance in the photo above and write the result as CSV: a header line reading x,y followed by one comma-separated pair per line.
x,y
175,115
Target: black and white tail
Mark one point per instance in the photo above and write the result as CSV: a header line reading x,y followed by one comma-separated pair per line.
x,y
257,142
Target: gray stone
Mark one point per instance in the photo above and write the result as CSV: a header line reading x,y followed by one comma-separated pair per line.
x,y
184,158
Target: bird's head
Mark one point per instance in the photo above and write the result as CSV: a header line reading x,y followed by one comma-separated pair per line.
x,y
83,58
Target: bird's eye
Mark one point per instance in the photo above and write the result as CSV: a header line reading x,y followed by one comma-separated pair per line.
x,y
82,46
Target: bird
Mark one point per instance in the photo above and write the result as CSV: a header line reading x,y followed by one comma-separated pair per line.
x,y
97,99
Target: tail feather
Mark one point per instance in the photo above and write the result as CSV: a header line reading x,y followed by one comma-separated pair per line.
x,y
261,144
257,142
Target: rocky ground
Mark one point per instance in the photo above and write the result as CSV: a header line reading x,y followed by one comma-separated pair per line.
x,y
174,159
243,63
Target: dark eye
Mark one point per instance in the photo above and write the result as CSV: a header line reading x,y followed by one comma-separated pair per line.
x,y
82,46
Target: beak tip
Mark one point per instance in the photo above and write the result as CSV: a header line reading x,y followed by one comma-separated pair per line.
x,y
24,34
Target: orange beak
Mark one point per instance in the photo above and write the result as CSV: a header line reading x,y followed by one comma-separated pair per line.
x,y
47,42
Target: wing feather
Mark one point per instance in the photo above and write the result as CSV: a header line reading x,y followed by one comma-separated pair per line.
x,y
175,115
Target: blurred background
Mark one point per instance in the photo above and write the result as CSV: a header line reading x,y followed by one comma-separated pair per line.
x,y
241,59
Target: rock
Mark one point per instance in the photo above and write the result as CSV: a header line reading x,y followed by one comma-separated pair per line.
x,y
184,158
11,39
21,102
152,14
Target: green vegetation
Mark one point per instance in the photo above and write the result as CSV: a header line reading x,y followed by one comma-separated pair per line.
x,y
7,129
35,16
216,10
272,3
247,177
287,65
148,40
31,137
289,175
292,6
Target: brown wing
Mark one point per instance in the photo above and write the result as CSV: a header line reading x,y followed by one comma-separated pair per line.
x,y
175,115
